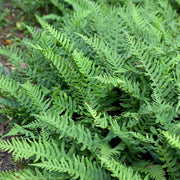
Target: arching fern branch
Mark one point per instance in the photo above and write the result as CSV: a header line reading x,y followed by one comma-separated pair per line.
x,y
77,167
60,37
26,148
67,128
119,170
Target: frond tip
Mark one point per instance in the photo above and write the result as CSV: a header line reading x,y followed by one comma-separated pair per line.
x,y
173,139
119,170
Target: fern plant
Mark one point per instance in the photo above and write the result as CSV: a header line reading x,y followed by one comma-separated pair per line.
x,y
99,98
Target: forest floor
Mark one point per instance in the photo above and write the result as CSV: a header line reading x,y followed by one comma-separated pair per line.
x,y
9,29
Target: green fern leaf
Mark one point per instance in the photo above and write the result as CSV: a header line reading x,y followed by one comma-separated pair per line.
x,y
173,139
76,167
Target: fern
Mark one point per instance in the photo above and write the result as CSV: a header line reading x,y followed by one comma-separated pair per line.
x,y
67,128
26,173
170,161
99,95
173,139
152,171
118,170
75,167
16,56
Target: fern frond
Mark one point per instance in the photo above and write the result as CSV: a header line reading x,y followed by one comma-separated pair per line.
x,y
59,5
86,66
68,128
108,79
107,151
33,125
9,86
132,88
166,7
52,17
140,23
9,102
60,37
105,121
30,174
59,63
98,120
173,139
147,138
64,103
7,175
19,130
79,16
31,96
36,97
170,161
77,167
151,170
111,60
62,66
15,55
78,5
26,148
35,32
119,170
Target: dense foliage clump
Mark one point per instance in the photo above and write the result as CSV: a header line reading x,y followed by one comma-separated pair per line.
x,y
98,96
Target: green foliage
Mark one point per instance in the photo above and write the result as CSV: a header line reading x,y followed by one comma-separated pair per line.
x,y
29,6
99,97
4,13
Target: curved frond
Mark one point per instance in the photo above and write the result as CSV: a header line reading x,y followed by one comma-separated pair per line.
x,y
26,148
77,167
119,170
68,128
